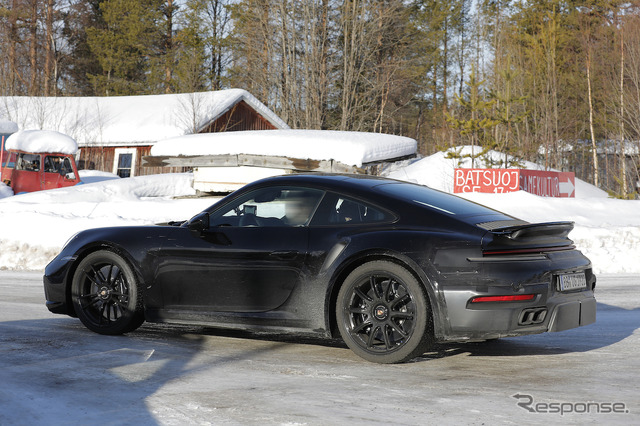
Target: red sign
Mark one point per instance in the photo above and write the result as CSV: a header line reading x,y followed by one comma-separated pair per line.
x,y
542,183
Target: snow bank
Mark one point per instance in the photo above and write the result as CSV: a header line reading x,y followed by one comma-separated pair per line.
x,y
92,176
351,148
437,171
132,120
7,126
5,191
41,141
35,225
606,230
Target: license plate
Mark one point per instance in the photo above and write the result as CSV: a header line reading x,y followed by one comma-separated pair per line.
x,y
570,282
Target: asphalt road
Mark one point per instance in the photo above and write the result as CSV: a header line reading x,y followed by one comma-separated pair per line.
x,y
54,371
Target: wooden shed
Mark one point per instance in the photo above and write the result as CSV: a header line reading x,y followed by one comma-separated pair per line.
x,y
115,133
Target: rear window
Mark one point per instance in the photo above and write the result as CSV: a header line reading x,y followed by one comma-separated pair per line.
x,y
440,201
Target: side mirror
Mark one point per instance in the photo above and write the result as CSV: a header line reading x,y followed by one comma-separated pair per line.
x,y
199,223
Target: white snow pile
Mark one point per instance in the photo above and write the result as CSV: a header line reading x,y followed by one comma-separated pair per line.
x,y
606,230
35,226
7,126
5,191
92,176
131,120
350,148
41,141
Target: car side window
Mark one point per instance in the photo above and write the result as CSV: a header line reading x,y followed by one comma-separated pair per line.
x,y
286,206
29,162
59,165
346,211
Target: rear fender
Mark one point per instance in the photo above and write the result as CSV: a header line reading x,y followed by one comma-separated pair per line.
x,y
430,285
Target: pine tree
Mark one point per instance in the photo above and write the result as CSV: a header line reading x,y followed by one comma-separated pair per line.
x,y
479,123
125,46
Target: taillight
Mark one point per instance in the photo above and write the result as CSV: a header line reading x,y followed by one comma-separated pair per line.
x,y
528,250
515,298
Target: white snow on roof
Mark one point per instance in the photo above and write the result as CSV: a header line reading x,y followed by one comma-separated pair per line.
x,y
350,148
128,120
41,141
7,126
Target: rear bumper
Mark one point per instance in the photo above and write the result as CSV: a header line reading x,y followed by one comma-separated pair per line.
x,y
573,314
547,312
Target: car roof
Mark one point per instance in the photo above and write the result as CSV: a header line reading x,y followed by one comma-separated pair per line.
x,y
330,180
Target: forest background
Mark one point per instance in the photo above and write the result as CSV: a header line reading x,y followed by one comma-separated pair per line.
x,y
551,81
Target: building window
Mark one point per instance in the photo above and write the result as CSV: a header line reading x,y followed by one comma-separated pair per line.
x,y
124,162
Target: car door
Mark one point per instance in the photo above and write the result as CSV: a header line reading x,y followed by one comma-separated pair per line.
x,y
249,258
27,175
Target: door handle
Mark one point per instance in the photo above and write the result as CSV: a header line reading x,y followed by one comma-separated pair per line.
x,y
284,254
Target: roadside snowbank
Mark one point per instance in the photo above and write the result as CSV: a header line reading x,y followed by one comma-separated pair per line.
x,y
5,191
35,226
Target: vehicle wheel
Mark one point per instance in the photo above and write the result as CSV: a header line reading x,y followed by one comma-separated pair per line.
x,y
105,294
383,313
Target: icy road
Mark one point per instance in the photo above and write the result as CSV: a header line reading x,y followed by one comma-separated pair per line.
x,y
54,371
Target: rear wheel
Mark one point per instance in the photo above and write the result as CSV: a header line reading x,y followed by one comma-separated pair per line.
x,y
105,294
383,313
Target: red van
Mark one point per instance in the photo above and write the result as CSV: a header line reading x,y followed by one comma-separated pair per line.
x,y
28,171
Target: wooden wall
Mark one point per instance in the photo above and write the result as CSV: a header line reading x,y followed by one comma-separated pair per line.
x,y
101,158
240,117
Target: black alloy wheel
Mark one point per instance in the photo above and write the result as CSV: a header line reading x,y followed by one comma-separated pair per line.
x,y
383,314
105,294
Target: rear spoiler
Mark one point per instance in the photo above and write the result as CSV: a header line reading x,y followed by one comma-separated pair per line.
x,y
527,230
526,237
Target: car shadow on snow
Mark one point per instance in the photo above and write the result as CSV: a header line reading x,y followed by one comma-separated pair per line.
x,y
54,371
613,324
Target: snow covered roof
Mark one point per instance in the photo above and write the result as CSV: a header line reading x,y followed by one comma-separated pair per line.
x,y
41,141
130,120
7,126
350,148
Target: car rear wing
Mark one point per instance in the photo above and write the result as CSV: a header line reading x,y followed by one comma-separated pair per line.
x,y
523,237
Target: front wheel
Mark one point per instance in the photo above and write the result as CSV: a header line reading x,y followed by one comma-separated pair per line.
x,y
383,313
105,294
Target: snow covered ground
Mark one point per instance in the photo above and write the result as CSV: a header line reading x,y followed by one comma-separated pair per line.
x,y
33,227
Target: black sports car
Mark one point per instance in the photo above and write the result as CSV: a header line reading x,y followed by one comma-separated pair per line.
x,y
390,266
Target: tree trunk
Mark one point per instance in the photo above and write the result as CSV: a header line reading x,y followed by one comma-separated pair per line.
x,y
596,178
33,48
623,156
48,50
168,47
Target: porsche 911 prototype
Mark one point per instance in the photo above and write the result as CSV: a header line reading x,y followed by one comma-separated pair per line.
x,y
390,267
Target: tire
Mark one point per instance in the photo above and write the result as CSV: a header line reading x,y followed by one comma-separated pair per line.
x,y
383,313
106,295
